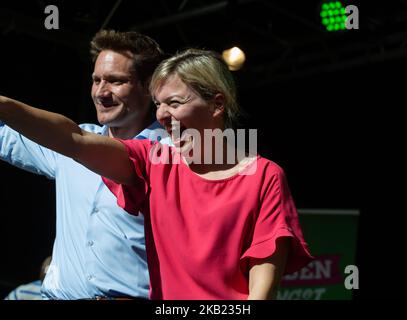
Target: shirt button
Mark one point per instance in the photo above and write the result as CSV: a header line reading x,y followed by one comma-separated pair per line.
x,y
96,210
90,277
90,243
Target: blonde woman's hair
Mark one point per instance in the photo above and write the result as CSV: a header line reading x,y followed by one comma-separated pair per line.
x,y
206,73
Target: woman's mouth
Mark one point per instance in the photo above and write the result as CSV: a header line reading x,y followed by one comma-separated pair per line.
x,y
179,136
175,130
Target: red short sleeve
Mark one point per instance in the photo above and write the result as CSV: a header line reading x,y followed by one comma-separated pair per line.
x,y
277,218
132,198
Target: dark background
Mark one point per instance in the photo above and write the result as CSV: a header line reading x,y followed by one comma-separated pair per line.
x,y
323,103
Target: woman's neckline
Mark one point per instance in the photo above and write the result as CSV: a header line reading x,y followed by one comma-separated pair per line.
x,y
239,170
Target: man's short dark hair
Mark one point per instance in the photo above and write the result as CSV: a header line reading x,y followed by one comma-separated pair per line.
x,y
147,54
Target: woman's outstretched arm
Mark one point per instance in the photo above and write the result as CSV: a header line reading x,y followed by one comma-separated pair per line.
x,y
103,155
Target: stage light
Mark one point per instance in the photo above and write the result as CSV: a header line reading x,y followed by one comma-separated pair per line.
x,y
234,58
333,16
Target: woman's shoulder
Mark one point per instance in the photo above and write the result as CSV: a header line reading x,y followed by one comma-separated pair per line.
x,y
269,166
139,147
140,143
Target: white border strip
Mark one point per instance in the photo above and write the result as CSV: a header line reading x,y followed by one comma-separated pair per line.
x,y
345,212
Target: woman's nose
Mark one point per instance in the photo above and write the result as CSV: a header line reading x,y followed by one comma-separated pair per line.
x,y
164,116
162,112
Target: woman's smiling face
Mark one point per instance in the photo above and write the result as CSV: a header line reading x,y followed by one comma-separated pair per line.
x,y
180,107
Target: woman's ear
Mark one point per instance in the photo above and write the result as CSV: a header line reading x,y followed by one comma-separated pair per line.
x,y
219,104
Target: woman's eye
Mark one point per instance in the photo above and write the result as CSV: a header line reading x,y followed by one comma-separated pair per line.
x,y
174,103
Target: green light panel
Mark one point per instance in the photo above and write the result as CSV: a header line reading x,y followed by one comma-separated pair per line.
x,y
333,16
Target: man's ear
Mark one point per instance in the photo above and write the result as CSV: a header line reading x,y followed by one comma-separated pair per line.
x,y
219,104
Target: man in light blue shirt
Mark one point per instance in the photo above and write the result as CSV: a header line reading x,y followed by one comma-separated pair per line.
x,y
99,249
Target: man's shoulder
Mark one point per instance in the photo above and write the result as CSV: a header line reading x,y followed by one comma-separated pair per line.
x,y
155,132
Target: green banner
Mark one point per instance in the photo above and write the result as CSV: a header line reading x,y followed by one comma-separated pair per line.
x,y
331,236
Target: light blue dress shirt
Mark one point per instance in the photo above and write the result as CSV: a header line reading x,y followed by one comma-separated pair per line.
x,y
99,248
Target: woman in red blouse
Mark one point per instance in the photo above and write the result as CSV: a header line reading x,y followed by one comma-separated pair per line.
x,y
220,220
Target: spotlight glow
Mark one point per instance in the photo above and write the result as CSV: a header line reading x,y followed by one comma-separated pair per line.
x,y
234,58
